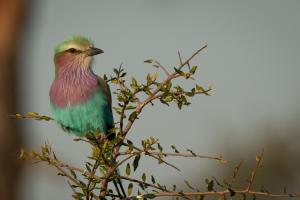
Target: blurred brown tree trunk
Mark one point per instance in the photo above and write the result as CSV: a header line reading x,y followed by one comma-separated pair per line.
x,y
11,18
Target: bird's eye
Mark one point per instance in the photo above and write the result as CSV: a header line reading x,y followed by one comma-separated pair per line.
x,y
72,50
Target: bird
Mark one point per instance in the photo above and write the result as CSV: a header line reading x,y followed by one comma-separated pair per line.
x,y
80,100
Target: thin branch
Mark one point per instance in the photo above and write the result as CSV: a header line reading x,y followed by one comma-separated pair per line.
x,y
163,68
122,116
95,167
143,183
162,160
222,193
122,161
154,156
179,56
59,164
190,58
59,168
31,115
235,172
188,155
254,171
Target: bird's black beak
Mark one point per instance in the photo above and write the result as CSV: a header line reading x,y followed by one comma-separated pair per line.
x,y
93,51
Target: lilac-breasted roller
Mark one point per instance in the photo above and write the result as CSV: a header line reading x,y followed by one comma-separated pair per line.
x,y
80,100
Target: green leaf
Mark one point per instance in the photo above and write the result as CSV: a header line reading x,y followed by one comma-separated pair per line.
x,y
60,174
130,107
193,69
22,154
189,94
130,188
168,87
82,184
178,71
220,184
257,158
134,83
174,187
144,144
153,179
73,173
129,142
181,193
149,61
163,102
232,192
127,170
116,71
88,167
209,184
201,89
189,185
159,147
136,161
78,195
149,80
155,76
133,116
173,147
149,196
144,177
105,143
123,75
168,99
105,77
189,150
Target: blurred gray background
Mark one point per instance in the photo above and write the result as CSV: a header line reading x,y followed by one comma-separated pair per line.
x,y
252,62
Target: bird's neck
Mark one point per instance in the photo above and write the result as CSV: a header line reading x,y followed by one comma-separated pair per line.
x,y
73,85
65,62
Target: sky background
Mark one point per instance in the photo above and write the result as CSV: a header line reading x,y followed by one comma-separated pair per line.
x,y
252,62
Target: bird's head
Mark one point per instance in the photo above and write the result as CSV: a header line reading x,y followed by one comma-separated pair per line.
x,y
75,52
